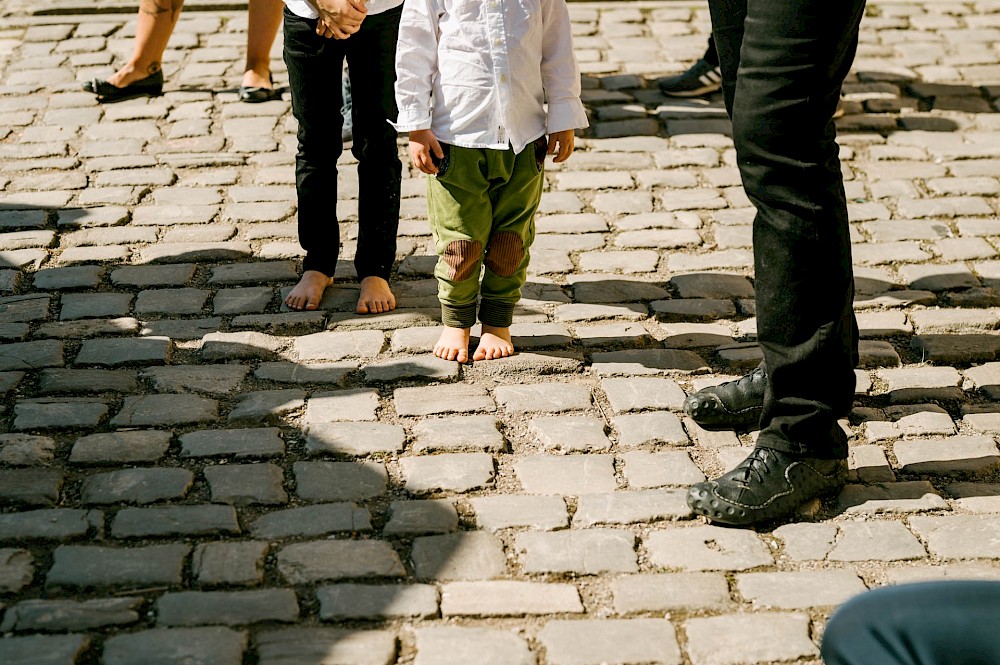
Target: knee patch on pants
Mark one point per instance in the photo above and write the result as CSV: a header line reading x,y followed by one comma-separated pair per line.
x,y
462,256
504,254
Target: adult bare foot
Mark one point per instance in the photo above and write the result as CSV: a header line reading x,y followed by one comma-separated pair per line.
x,y
453,344
376,296
494,343
307,294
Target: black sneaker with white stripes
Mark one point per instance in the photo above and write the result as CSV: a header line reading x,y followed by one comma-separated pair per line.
x,y
701,79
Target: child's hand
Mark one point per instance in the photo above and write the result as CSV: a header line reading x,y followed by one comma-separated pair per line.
x,y
339,18
564,140
424,147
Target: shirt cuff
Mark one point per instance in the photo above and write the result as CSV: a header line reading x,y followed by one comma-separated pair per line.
x,y
410,120
566,115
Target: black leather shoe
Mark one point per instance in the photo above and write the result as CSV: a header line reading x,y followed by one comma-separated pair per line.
x,y
254,95
767,485
734,405
151,86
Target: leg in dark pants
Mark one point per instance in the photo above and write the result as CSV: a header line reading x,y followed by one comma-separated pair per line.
x,y
929,623
315,66
783,64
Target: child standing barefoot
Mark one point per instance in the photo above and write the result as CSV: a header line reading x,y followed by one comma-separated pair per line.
x,y
485,88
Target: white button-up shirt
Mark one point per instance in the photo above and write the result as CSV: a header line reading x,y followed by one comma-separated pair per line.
x,y
307,9
487,73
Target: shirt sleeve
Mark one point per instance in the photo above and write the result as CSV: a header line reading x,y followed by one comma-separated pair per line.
x,y
416,64
560,72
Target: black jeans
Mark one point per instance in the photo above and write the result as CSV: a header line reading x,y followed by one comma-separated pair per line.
x,y
315,66
783,63
928,623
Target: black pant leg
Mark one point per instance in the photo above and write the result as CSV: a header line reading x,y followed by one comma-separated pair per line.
x,y
783,64
371,59
314,78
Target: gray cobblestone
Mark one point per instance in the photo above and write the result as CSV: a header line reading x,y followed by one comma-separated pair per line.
x,y
189,520
230,608
947,455
16,570
246,484
240,443
664,592
799,590
455,645
339,481
736,638
263,404
876,541
136,486
573,475
448,472
83,567
707,548
308,562
650,428
165,410
582,552
70,615
534,512
211,644
340,602
959,536
30,487
458,556
421,517
315,520
43,649
120,447
570,433
55,413
236,564
545,397
26,449
112,352
31,355
596,642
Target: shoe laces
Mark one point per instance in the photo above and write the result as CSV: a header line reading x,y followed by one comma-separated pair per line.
x,y
755,466
751,377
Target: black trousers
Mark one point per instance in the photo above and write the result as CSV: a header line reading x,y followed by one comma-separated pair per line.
x,y
929,623
315,66
783,63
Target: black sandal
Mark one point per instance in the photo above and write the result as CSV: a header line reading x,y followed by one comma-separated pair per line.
x,y
254,95
151,86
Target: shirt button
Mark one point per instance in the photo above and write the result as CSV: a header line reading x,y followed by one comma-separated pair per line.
x,y
503,78
498,41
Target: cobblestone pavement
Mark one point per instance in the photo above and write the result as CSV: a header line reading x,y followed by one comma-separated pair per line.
x,y
191,474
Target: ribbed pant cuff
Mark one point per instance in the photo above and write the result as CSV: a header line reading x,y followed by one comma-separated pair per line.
x,y
458,316
496,313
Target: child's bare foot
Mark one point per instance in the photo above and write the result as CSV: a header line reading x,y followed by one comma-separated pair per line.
x,y
494,343
376,297
453,344
307,294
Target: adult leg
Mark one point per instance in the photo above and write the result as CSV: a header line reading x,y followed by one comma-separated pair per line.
x,y
371,59
460,213
263,21
783,64
515,190
927,623
314,65
154,25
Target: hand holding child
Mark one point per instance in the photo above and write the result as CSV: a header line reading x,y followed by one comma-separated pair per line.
x,y
339,18
424,148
